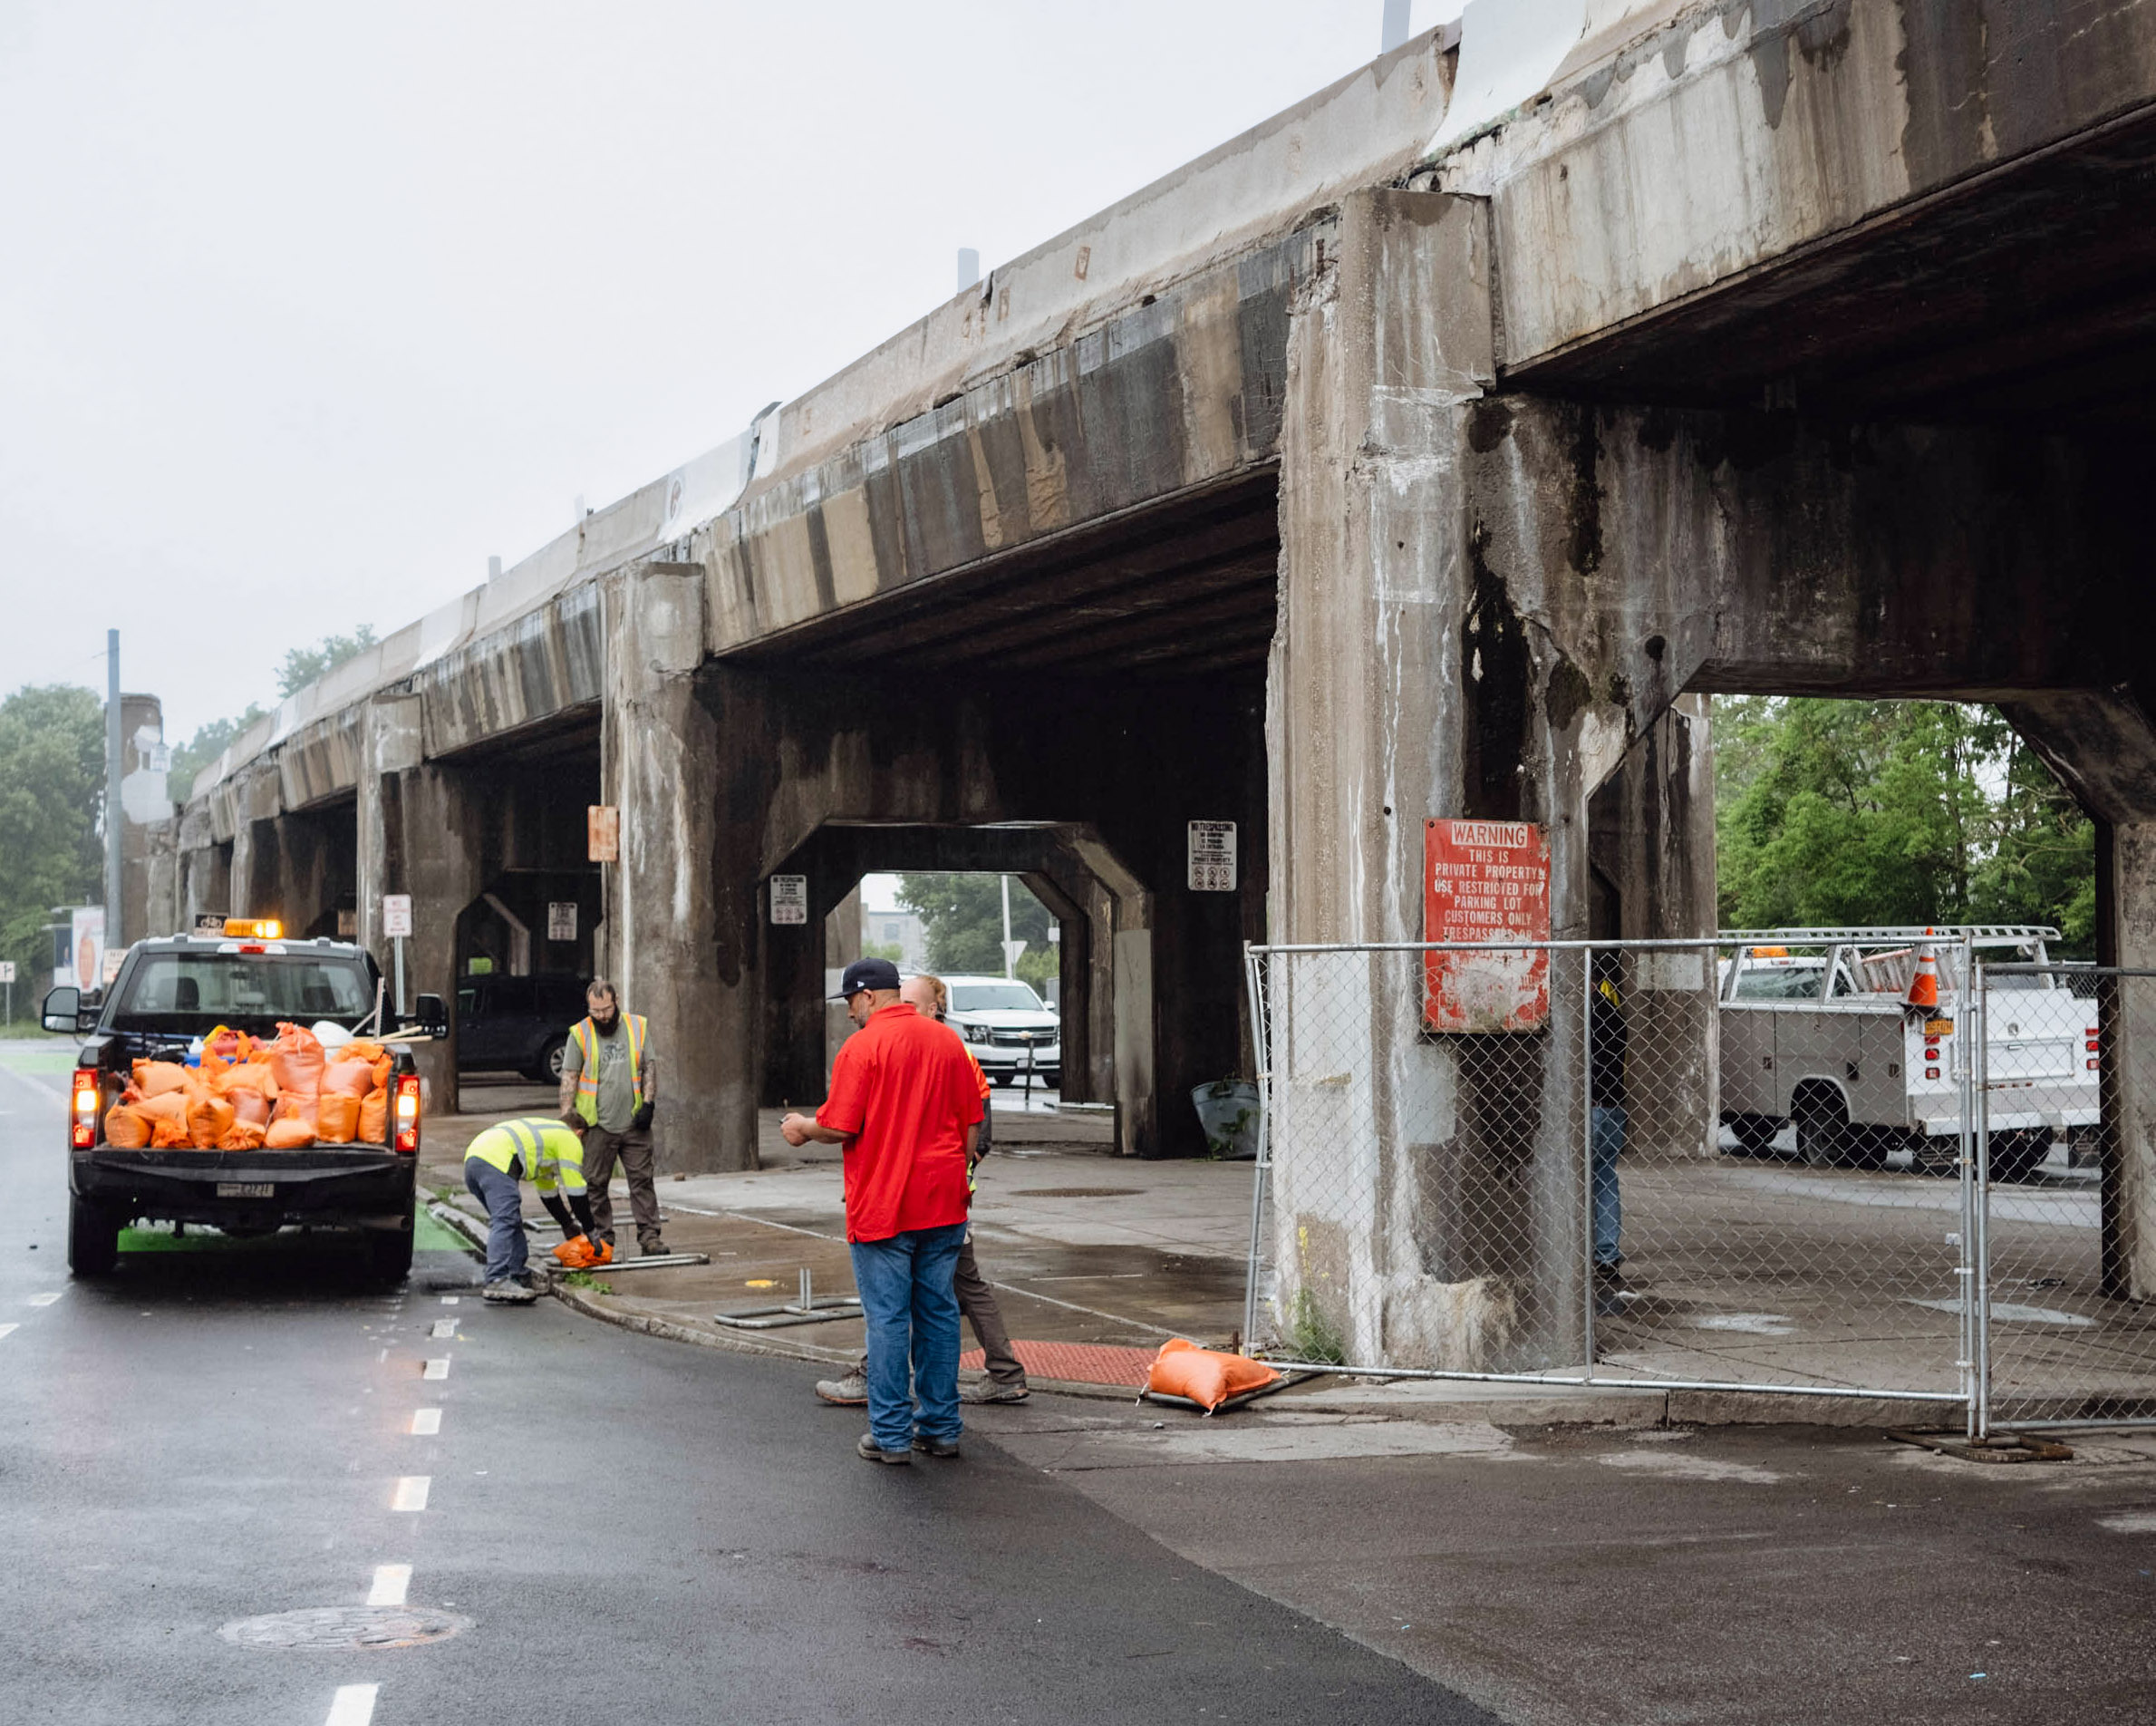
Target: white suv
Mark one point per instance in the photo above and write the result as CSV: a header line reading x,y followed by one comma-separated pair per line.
x,y
1005,1026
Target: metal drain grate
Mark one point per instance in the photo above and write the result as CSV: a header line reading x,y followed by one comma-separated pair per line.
x,y
326,1629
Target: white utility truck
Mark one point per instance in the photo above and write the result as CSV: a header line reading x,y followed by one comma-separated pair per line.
x,y
1830,1029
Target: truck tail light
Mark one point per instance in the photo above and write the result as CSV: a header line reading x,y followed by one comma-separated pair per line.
x,y
407,1112
83,1114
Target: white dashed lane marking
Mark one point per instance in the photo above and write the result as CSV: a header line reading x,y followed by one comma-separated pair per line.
x,y
5,1329
391,1581
411,1492
436,1370
425,1422
352,1706
2129,1522
444,1327
44,1300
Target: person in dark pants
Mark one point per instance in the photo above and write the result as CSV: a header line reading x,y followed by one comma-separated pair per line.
x,y
610,1089
906,1106
1607,1037
1006,1380
551,1157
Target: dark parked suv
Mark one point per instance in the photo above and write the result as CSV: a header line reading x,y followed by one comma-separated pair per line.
x,y
518,1023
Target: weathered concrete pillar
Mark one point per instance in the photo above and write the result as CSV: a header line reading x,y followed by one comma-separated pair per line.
x,y
1428,1195
1652,839
2101,744
658,763
419,828
842,947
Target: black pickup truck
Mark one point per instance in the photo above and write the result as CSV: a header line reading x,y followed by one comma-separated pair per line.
x,y
169,992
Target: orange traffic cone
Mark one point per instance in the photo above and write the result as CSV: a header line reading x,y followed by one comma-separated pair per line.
x,y
1923,987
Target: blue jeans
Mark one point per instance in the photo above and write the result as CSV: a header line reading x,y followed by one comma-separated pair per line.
x,y
504,1218
911,1309
1608,1208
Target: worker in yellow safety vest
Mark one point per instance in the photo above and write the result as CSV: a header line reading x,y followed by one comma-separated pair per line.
x,y
549,1155
609,1091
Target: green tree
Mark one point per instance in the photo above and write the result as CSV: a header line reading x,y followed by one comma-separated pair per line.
x,y
303,665
51,794
204,747
1855,813
963,918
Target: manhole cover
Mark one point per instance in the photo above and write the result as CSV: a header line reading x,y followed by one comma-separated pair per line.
x,y
1076,1192
331,1628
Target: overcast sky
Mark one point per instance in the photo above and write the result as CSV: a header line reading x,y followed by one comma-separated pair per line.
x,y
307,309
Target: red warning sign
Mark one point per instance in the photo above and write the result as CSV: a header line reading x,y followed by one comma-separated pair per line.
x,y
1486,881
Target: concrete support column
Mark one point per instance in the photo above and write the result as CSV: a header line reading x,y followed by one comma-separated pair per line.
x,y
2126,935
1429,1210
659,763
390,745
1652,843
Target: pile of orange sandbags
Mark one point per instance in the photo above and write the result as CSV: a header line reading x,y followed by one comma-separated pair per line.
x,y
252,1095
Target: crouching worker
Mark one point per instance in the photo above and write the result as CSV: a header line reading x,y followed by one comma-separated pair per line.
x,y
551,1157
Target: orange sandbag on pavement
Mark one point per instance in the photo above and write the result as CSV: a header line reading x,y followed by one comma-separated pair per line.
x,y
336,1119
1205,1376
209,1119
241,1136
374,1118
127,1127
155,1078
293,1134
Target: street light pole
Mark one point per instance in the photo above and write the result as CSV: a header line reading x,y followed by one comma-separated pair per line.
x,y
114,937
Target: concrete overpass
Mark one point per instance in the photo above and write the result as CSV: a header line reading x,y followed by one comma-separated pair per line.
x,y
1433,449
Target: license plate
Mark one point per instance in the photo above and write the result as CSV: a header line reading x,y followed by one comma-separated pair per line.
x,y
246,1190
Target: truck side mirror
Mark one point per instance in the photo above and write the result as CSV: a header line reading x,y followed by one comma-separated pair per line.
x,y
431,1016
63,1007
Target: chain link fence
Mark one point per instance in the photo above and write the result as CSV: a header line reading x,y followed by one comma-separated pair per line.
x,y
2068,1118
1745,1164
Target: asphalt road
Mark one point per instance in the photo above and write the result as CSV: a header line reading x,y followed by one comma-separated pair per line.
x,y
628,1530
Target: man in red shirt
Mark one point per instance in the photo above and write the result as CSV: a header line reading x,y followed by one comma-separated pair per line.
x,y
905,1105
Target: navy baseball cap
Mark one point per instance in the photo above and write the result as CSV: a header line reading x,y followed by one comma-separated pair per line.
x,y
866,973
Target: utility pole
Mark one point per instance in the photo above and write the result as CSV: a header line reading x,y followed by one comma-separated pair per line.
x,y
114,937
1009,958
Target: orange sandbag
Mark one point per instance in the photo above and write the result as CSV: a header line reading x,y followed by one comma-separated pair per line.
x,y
241,1136
295,1134
254,1076
336,1119
209,1119
344,1077
298,1060
126,1127
251,1107
171,1105
155,1078
169,1135
372,1054
374,1118
1205,1376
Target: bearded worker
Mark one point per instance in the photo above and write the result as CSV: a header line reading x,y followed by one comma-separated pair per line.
x,y
609,1091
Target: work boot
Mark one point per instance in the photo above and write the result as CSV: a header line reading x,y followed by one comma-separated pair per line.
x,y
507,1294
653,1249
869,1450
850,1392
946,1448
995,1391
1610,1287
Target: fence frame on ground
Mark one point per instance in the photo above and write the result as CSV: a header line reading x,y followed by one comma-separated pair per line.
x,y
1972,1310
